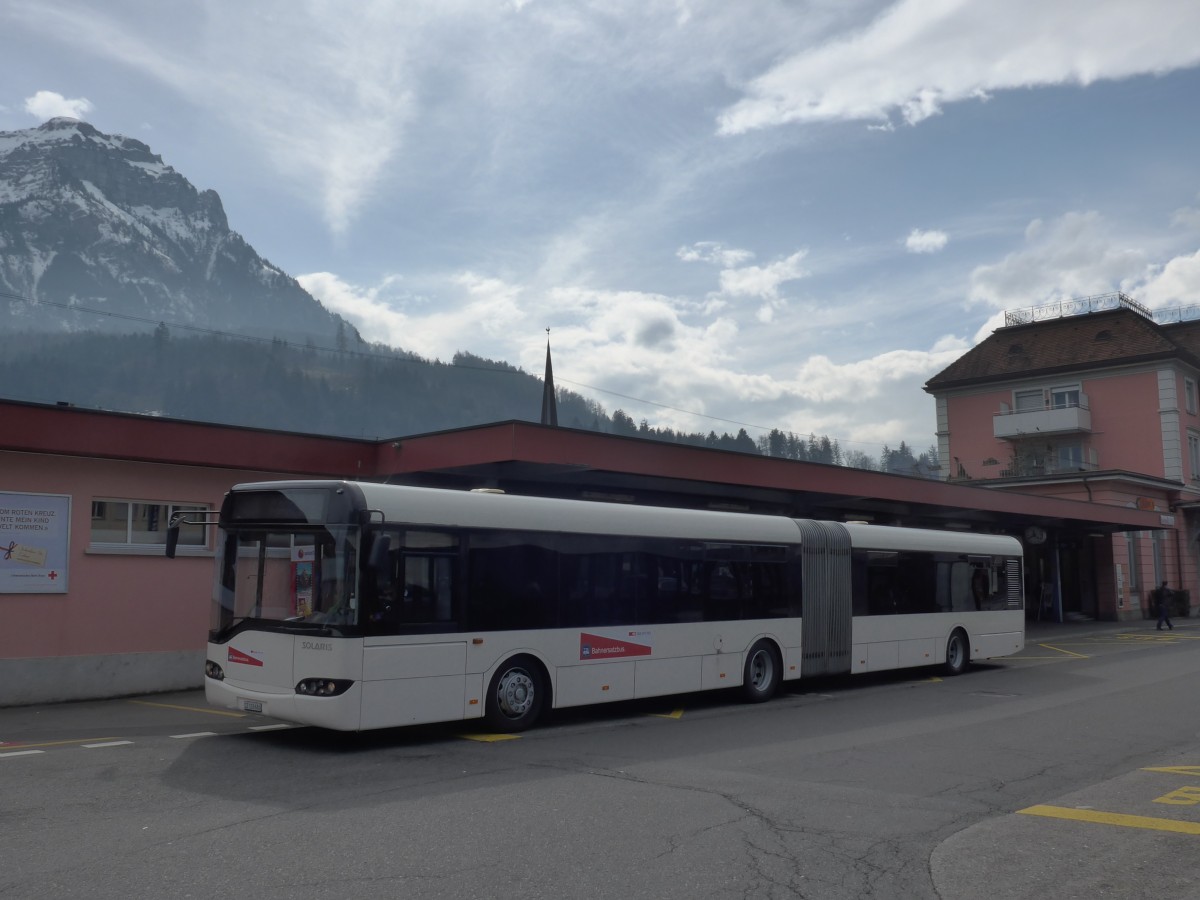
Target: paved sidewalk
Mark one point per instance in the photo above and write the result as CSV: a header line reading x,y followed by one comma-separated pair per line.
x,y
1047,631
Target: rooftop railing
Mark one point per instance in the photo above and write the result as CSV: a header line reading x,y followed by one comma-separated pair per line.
x,y
1075,307
1099,303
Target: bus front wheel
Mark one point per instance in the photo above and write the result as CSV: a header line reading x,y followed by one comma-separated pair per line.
x,y
763,672
958,653
516,695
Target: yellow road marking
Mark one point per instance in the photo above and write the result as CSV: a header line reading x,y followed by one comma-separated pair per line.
x,y
489,738
1191,771
1142,638
1188,795
1106,818
199,709
674,714
6,747
1061,650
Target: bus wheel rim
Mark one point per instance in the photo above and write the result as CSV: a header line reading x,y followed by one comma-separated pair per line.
x,y
760,668
956,651
515,693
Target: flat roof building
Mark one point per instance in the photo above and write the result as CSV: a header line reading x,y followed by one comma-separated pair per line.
x,y
92,608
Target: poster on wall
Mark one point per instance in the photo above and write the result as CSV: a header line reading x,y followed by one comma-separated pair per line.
x,y
35,531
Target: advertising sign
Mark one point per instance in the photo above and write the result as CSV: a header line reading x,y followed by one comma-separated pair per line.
x,y
35,531
599,646
302,580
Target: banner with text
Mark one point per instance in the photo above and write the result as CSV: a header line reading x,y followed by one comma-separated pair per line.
x,y
35,532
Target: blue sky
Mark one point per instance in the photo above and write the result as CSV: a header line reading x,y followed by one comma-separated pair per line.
x,y
770,214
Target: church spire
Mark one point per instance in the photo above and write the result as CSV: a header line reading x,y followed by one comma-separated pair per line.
x,y
549,401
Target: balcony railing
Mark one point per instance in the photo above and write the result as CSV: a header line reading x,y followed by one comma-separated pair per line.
x,y
1048,420
1025,469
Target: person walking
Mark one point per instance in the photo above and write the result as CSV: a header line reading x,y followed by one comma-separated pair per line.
x,y
1162,596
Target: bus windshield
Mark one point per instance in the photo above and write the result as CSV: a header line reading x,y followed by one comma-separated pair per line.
x,y
294,577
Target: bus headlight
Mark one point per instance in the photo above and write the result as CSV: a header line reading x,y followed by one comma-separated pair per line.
x,y
323,687
213,671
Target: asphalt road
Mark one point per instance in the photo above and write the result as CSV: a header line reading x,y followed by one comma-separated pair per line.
x,y
1071,771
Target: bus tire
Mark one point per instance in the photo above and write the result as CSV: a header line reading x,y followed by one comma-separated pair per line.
x,y
516,695
762,673
958,653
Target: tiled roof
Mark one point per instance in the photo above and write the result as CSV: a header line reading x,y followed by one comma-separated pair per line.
x,y
1089,341
1186,335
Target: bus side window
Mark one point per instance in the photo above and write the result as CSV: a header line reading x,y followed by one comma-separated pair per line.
x,y
513,581
882,576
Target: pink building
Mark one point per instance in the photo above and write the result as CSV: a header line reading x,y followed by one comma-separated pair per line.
x,y
91,606
1090,400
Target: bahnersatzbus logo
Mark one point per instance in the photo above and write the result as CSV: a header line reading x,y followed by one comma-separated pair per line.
x,y
597,646
237,656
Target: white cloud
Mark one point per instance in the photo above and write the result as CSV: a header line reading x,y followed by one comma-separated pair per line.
x,y
714,252
819,379
617,346
920,55
467,311
1076,255
375,319
324,95
925,241
1081,255
50,104
763,281
1177,283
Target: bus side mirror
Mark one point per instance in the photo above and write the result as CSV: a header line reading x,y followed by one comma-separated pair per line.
x,y
186,517
378,560
173,525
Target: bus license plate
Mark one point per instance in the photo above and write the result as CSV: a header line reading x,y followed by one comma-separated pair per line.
x,y
252,705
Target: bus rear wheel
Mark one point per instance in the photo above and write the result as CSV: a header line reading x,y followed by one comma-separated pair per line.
x,y
958,653
762,673
516,695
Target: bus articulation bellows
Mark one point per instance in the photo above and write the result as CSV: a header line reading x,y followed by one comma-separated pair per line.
x,y
353,605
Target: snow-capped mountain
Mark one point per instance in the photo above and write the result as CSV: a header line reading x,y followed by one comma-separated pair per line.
x,y
100,222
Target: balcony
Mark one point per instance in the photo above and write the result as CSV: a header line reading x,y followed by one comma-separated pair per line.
x,y
1047,420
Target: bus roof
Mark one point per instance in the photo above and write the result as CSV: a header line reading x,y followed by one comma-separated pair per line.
x,y
436,507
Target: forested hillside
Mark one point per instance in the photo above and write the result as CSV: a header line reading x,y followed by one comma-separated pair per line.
x,y
359,390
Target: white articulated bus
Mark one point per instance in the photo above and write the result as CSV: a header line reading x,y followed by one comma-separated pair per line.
x,y
354,605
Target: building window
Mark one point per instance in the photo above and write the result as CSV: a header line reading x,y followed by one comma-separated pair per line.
x,y
1070,457
132,523
1065,397
1029,401
1131,548
1194,455
1189,394
1157,551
